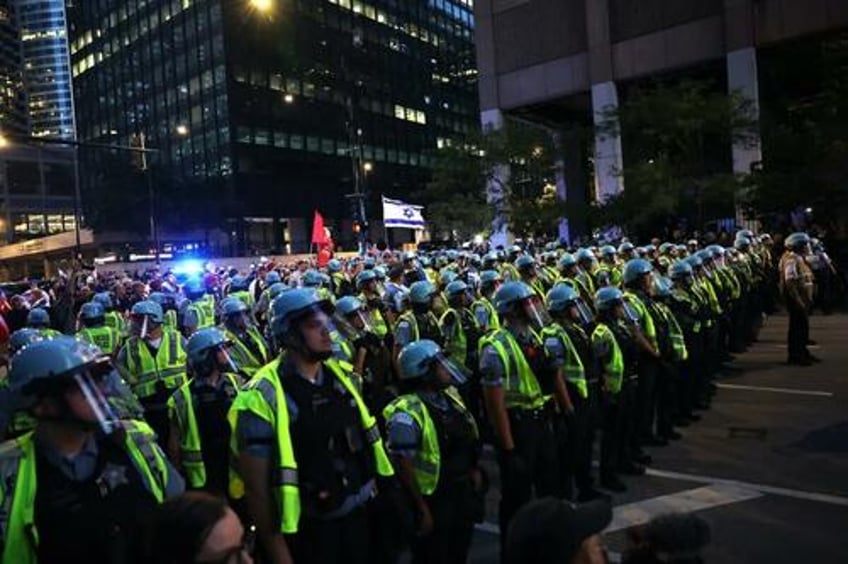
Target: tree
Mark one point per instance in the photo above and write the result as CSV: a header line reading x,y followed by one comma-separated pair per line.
x,y
805,132
677,140
504,170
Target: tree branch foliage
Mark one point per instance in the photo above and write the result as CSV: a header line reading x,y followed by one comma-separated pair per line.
x,y
677,140
496,175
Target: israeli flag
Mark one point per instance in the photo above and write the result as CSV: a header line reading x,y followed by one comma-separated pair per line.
x,y
400,214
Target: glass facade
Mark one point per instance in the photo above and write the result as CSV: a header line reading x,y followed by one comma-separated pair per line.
x,y
46,67
280,107
12,100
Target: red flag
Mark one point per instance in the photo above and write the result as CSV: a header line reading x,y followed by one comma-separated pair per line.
x,y
319,235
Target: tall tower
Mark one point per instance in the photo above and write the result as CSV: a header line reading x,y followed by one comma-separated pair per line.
x,y
46,67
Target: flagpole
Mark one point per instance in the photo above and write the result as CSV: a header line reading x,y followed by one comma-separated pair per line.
x,y
385,227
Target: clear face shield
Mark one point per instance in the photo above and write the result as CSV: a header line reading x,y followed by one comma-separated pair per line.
x,y
240,321
447,372
582,312
224,359
536,313
107,399
629,314
316,330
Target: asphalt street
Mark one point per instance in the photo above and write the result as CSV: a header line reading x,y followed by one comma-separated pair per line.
x,y
767,467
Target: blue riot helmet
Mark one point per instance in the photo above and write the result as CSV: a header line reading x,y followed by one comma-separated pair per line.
x,y
584,256
567,260
207,349
446,277
105,300
272,277
55,367
313,279
564,299
421,293
334,266
287,313
489,280
490,260
607,298
626,249
518,297
742,244
424,361
352,315
235,314
194,289
23,338
145,316
364,278
239,283
457,291
525,264
608,252
276,289
634,270
92,314
695,262
38,318
380,272
681,273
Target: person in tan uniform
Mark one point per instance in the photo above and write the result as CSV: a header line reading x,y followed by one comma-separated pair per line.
x,y
796,285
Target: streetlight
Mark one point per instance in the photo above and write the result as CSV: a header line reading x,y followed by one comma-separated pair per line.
x,y
263,6
367,166
182,130
288,98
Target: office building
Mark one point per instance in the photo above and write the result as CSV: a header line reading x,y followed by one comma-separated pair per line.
x,y
270,109
583,55
43,35
13,117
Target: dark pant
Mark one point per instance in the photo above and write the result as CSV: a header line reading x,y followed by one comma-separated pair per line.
x,y
667,380
453,517
535,445
156,415
581,434
336,540
799,332
645,395
617,430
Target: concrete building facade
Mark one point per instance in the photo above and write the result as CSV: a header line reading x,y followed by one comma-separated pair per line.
x,y
555,62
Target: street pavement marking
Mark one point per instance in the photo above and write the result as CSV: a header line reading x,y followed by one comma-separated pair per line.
x,y
777,390
688,501
762,488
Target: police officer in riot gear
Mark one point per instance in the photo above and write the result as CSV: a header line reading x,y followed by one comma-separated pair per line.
x,y
308,451
434,442
84,480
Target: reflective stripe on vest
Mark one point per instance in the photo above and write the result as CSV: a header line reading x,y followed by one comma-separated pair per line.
x,y
457,341
427,461
284,477
18,478
114,320
645,319
105,338
614,366
204,310
169,366
573,368
181,412
529,394
675,333
243,355
494,320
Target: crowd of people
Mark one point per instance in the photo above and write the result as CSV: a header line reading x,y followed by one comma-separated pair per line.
x,y
341,414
